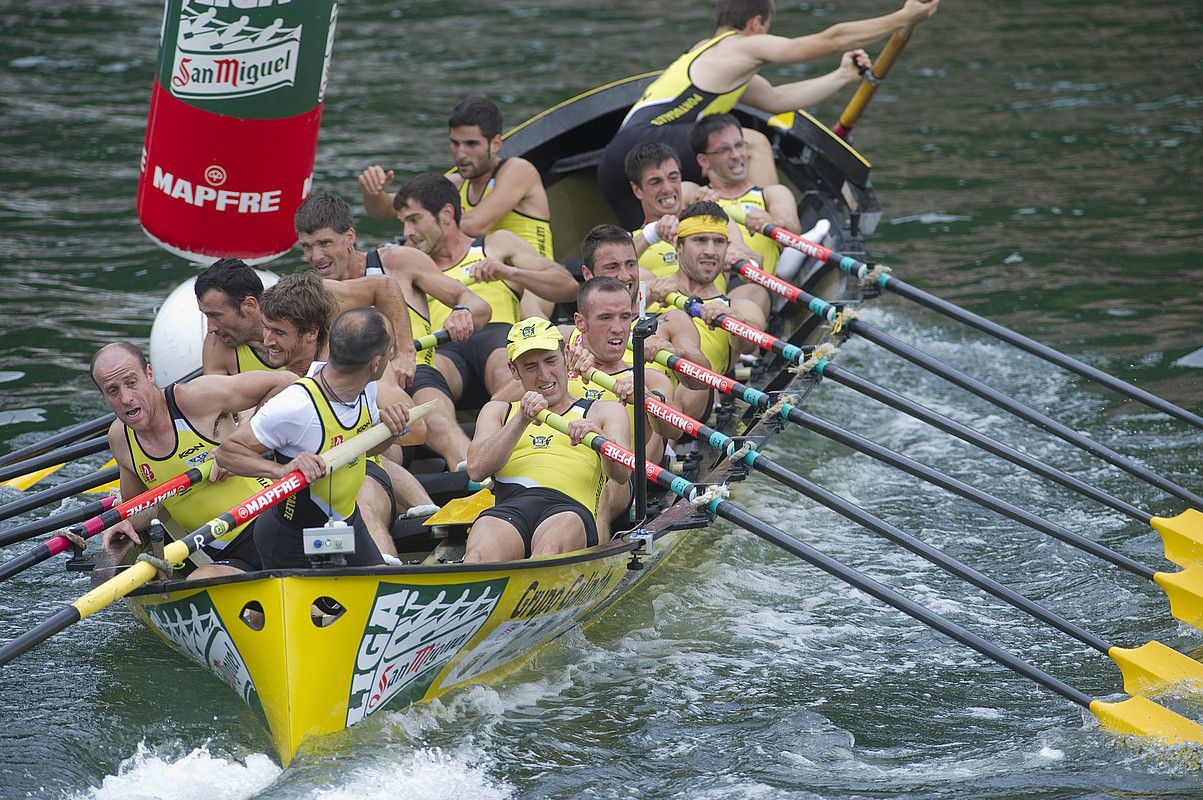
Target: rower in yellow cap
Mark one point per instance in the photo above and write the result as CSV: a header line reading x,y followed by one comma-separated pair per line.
x,y
547,483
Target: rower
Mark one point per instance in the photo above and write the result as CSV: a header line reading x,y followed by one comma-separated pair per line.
x,y
654,173
495,193
326,232
608,251
227,293
721,152
162,433
336,401
297,314
500,267
701,251
605,314
720,71
547,487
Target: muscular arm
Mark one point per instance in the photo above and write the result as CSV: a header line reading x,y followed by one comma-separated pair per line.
x,y
494,440
450,292
377,200
523,268
615,425
216,358
384,293
386,395
516,179
242,454
799,94
131,484
206,397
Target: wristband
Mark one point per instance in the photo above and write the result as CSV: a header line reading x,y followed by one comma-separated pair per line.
x,y
649,234
461,307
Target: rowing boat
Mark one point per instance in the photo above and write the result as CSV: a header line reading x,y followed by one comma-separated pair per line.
x,y
313,651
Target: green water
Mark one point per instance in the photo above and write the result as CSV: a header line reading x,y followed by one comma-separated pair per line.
x,y
1037,162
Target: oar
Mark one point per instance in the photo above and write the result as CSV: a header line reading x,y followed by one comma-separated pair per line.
x,y
142,571
1146,668
148,499
1182,535
54,522
38,499
432,339
884,280
68,435
65,436
970,384
15,475
1184,589
871,79
1136,716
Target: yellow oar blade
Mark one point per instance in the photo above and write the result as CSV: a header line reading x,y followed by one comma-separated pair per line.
x,y
462,510
1139,716
23,482
1182,536
1185,592
1153,667
105,488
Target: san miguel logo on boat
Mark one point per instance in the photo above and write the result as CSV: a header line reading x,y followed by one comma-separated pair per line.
x,y
220,54
411,632
194,626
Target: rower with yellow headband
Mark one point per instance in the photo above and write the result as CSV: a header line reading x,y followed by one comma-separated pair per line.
x,y
701,252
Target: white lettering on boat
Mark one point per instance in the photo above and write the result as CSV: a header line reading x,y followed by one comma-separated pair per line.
x,y
288,485
195,627
221,199
410,633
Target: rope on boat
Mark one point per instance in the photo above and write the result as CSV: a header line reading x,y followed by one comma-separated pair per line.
x,y
736,456
874,275
77,542
776,408
841,319
717,491
826,351
161,566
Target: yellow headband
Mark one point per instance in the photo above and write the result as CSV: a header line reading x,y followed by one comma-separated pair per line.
x,y
701,224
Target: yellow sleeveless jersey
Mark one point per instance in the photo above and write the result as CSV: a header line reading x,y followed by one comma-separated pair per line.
x,y
418,323
578,387
714,342
333,495
203,503
754,198
249,360
544,457
536,232
500,297
674,98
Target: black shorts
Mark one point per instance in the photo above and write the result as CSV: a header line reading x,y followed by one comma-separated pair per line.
x,y
472,355
280,545
526,509
427,377
611,170
381,476
240,553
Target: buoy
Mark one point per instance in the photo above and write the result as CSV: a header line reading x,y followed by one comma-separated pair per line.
x,y
232,130
177,336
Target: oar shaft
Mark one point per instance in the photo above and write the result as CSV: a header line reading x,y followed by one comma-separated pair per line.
x,y
988,393
38,499
59,456
766,341
897,601
432,339
770,533
965,433
65,436
868,85
1043,351
761,463
962,489
28,530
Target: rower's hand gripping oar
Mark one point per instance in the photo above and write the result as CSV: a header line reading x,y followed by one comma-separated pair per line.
x,y
829,312
142,571
884,280
1137,715
89,528
1149,667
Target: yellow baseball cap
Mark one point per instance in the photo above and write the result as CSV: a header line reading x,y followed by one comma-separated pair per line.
x,y
532,333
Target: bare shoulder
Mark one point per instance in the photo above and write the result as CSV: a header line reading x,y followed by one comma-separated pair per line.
x,y
517,168
503,243
399,257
